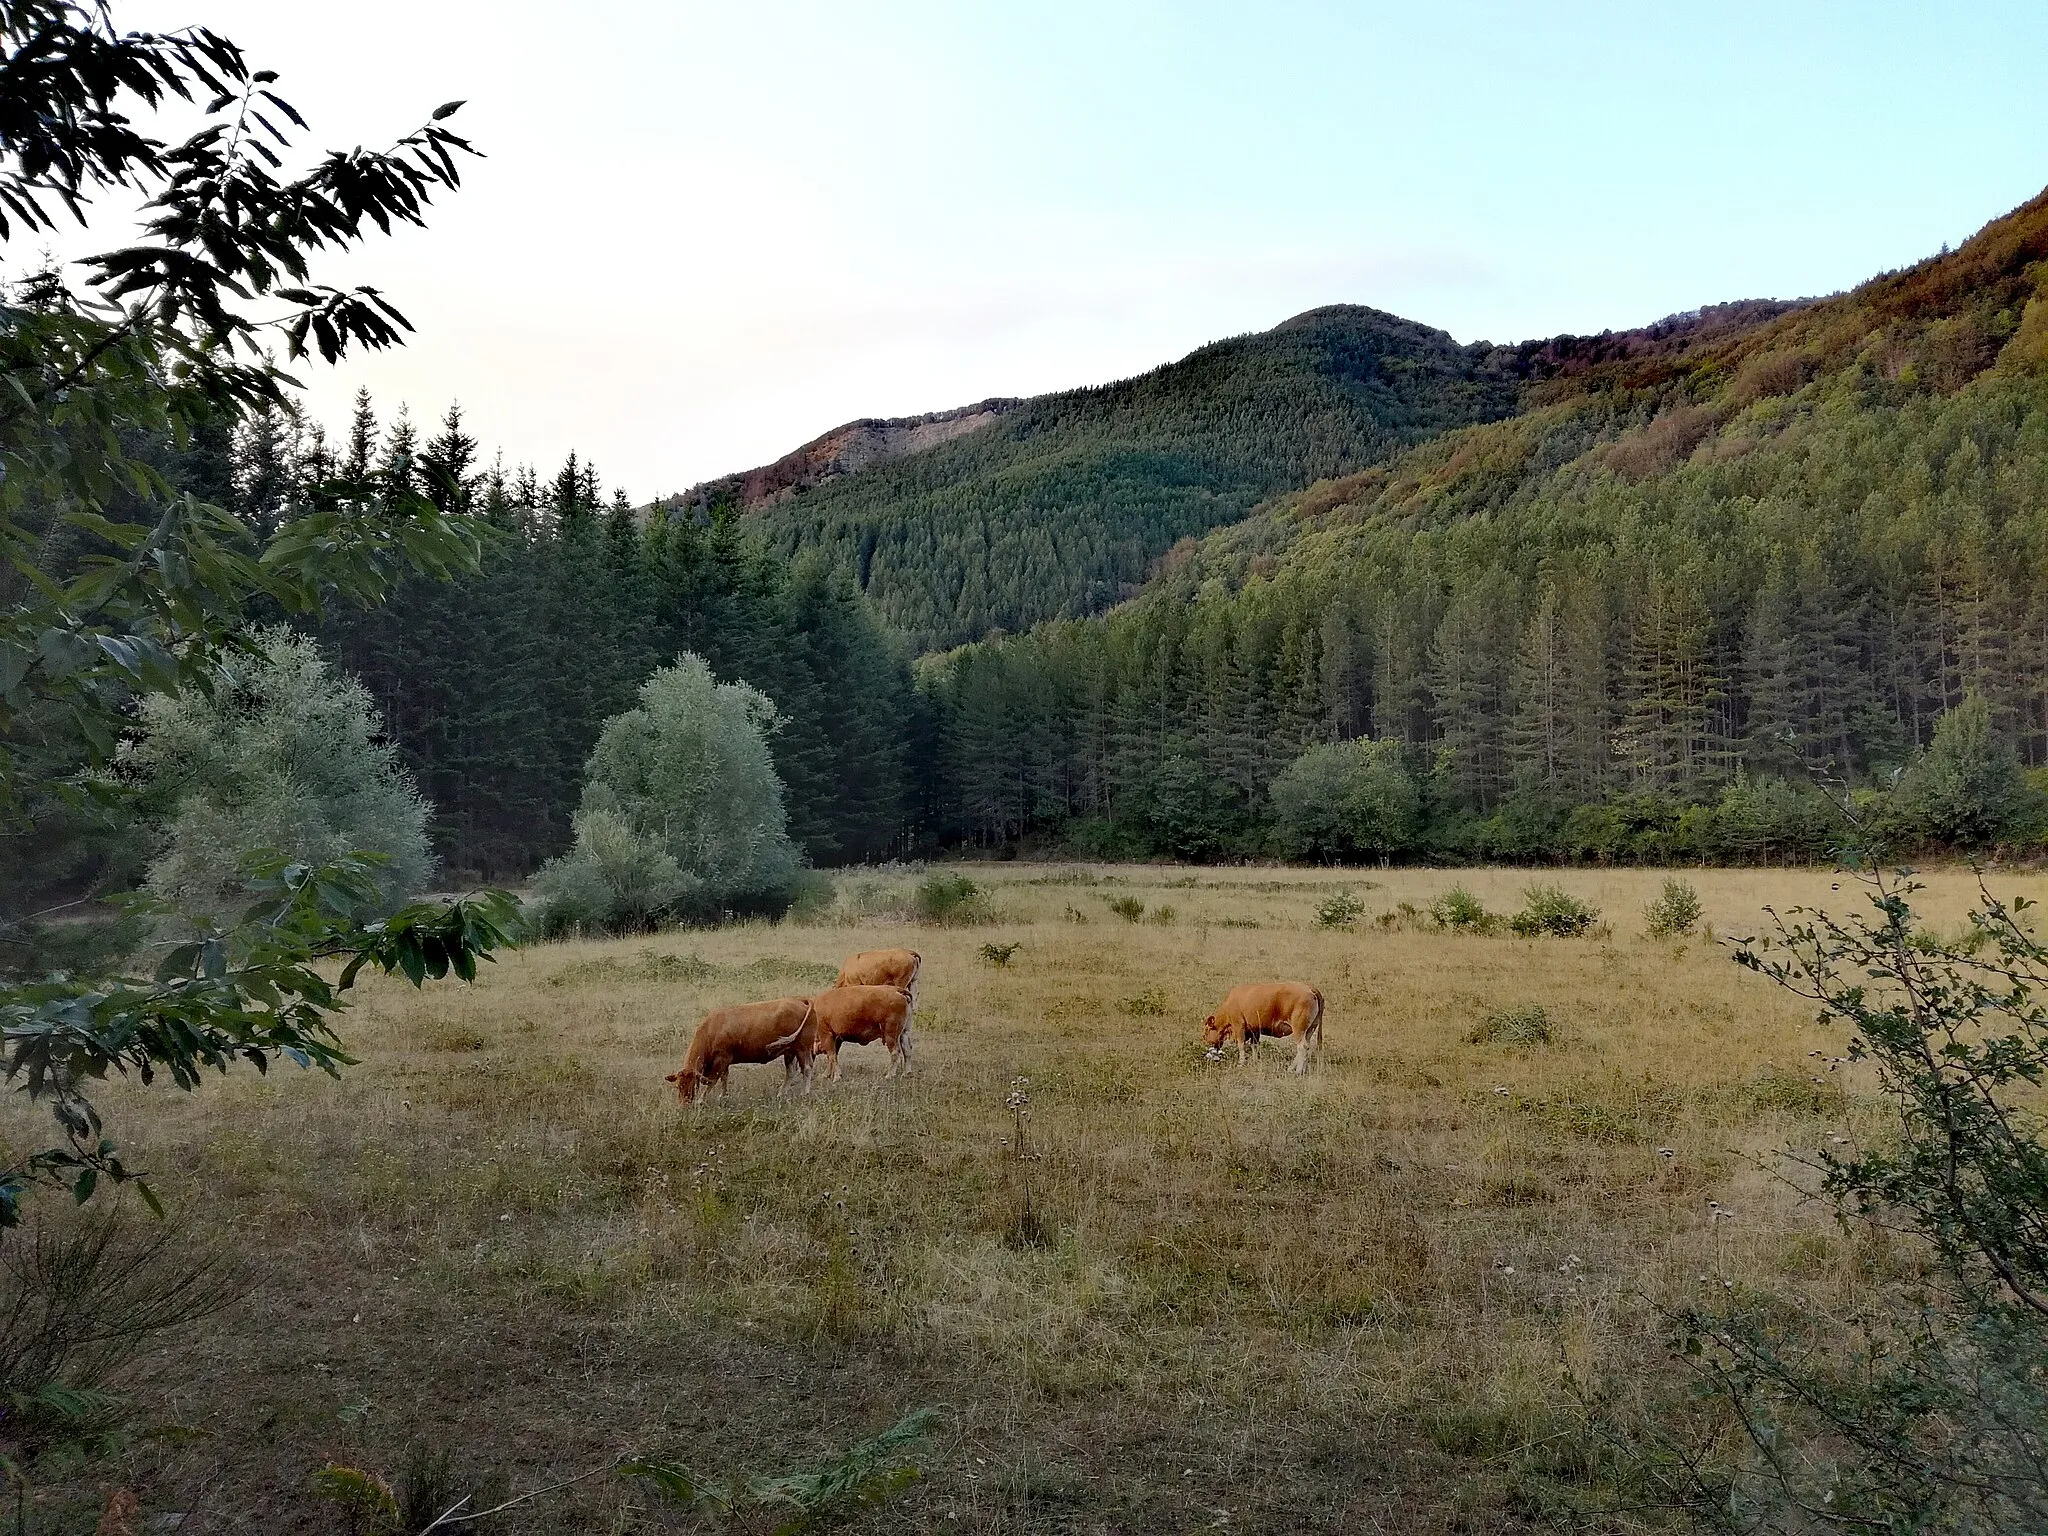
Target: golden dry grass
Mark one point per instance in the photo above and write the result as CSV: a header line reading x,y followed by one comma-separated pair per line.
x,y
1255,1302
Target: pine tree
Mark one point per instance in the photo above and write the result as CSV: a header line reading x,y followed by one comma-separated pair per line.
x,y
360,457
447,466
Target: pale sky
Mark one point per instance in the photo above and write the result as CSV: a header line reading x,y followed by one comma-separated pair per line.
x,y
706,233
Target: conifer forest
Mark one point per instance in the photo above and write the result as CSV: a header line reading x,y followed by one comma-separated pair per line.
x,y
1695,592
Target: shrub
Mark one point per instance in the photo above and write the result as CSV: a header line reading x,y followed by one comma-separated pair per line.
x,y
1000,955
1528,1024
1347,799
1675,912
80,1297
1462,912
1547,910
1340,911
1164,915
813,894
950,899
285,754
1967,787
1129,908
612,881
1148,1004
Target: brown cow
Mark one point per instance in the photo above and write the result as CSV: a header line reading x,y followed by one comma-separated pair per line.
x,y
749,1032
882,968
1277,1008
859,1016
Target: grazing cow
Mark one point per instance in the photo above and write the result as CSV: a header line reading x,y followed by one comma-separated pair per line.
x,y
858,1016
882,968
750,1032
1277,1008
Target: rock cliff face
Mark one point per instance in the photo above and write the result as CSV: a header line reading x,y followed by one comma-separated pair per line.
x,y
856,446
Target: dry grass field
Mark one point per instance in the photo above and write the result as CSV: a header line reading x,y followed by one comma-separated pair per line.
x,y
1371,1300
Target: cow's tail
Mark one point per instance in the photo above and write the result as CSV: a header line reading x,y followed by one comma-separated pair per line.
x,y
777,1047
1315,1024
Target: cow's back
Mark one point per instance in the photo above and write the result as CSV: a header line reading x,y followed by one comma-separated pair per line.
x,y
861,1013
748,1029
1269,1004
881,968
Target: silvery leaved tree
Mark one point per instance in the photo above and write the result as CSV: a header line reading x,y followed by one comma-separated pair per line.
x,y
682,814
120,588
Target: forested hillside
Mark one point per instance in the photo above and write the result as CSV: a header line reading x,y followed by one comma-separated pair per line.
x,y
1060,504
1635,621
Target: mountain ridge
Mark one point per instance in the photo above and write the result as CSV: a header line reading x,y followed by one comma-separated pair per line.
x,y
998,515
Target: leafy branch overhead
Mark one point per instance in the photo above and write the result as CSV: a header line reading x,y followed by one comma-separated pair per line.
x,y
252,993
119,586
118,583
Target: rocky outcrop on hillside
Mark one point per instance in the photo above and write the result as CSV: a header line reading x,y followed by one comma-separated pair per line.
x,y
844,450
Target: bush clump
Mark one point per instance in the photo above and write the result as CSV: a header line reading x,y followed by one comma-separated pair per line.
x,y
1527,1024
1552,912
1675,912
950,900
1347,800
1148,1004
282,753
1462,912
1129,908
1340,911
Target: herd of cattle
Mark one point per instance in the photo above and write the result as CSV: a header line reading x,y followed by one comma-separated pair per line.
x,y
875,998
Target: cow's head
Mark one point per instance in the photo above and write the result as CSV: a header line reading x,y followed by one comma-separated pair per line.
x,y
1212,1032
686,1082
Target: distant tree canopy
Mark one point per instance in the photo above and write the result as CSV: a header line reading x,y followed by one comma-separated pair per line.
x,y
577,603
1706,568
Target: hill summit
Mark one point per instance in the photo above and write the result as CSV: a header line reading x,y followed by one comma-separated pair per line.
x,y
1005,513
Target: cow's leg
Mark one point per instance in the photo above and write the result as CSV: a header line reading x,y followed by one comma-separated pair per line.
x,y
1237,1034
1300,1051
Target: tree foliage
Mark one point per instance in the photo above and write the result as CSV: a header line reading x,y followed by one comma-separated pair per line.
x,y
1926,1411
682,812
576,602
284,755
1347,800
1059,507
1637,620
122,584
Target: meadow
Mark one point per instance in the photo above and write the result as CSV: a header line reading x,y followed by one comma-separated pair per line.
x,y
1398,1295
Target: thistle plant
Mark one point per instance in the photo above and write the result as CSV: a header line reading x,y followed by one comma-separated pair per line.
x,y
1028,1230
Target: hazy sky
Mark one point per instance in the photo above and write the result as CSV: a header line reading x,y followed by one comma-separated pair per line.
x,y
706,233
